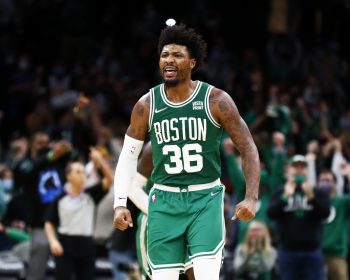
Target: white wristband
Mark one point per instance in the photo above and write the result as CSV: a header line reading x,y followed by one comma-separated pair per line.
x,y
126,170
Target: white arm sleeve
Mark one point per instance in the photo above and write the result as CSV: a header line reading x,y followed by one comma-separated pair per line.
x,y
126,169
137,193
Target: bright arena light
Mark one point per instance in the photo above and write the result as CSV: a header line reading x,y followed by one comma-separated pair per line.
x,y
170,22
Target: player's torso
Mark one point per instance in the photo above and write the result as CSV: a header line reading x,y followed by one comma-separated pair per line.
x,y
185,138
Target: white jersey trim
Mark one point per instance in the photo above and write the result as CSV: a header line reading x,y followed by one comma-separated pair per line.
x,y
177,105
166,266
151,105
143,244
207,108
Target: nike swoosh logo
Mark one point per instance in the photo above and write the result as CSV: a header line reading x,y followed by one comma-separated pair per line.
x,y
160,110
214,193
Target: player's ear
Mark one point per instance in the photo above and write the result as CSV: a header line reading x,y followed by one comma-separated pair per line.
x,y
193,63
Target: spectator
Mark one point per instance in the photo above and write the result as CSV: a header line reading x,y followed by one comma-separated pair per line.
x,y
299,211
256,257
72,216
6,187
45,180
14,233
341,157
15,222
335,234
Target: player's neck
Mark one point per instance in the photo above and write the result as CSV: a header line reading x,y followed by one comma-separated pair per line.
x,y
181,91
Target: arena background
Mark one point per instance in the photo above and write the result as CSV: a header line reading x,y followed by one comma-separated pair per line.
x,y
52,50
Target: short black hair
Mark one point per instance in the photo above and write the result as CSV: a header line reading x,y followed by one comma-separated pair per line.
x,y
181,35
326,170
69,166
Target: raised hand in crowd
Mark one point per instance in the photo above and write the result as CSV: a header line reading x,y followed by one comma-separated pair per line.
x,y
312,150
97,158
61,148
278,140
82,102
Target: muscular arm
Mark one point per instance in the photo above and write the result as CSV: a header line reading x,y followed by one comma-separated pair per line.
x,y
139,119
225,112
127,163
145,164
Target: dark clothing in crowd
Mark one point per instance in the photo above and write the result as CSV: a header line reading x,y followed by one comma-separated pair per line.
x,y
299,221
45,179
299,232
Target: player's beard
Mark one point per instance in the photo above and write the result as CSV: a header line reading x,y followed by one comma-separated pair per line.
x,y
171,83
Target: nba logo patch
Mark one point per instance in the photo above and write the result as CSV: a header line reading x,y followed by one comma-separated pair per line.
x,y
153,198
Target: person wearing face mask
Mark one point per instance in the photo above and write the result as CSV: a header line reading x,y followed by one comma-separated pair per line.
x,y
335,233
6,187
299,210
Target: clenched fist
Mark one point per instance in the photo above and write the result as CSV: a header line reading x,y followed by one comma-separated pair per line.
x,y
245,210
122,218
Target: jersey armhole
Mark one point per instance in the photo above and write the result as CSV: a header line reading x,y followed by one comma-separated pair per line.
x,y
151,112
207,108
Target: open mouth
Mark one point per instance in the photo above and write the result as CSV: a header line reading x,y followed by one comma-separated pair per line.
x,y
170,72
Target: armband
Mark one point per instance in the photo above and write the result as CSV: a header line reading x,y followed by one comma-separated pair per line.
x,y
126,169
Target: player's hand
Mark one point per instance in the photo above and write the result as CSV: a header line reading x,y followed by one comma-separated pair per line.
x,y
245,210
122,218
56,248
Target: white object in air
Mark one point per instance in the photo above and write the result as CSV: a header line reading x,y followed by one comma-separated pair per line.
x,y
170,22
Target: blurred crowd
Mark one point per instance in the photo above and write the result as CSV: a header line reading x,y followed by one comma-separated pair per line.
x,y
71,72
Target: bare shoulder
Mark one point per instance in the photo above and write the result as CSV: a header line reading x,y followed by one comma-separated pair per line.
x,y
139,118
142,106
222,106
225,112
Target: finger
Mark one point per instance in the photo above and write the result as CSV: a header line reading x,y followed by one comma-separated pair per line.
x,y
235,216
122,222
120,225
128,219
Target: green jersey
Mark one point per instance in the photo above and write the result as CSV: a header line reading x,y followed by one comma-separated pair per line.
x,y
335,229
185,138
